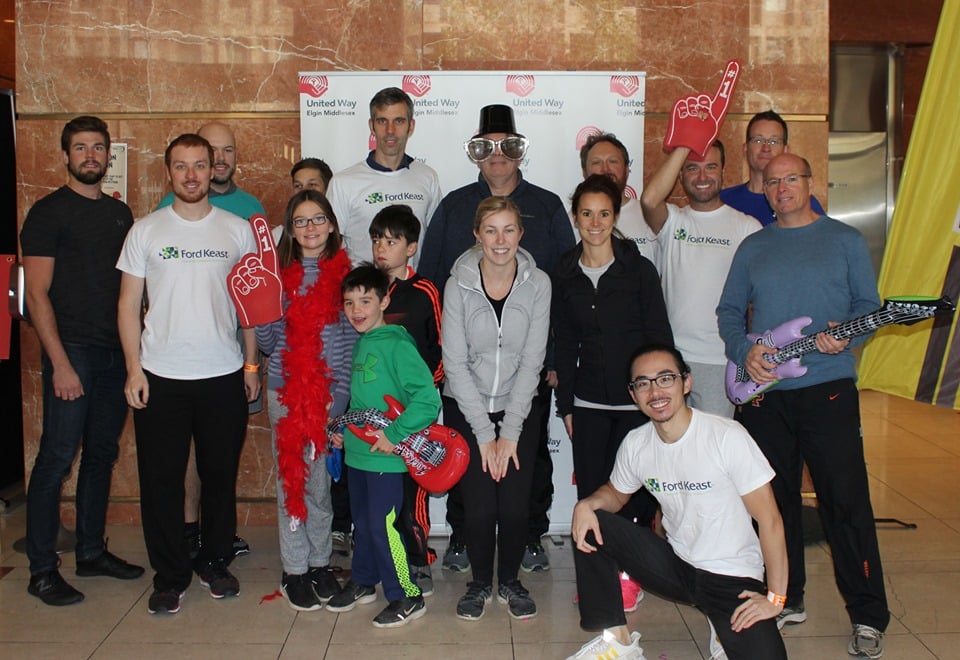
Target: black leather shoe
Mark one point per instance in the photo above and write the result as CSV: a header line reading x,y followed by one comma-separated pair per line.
x,y
52,589
109,565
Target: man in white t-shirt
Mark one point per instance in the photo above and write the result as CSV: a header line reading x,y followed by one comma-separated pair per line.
x,y
697,243
605,154
387,176
712,482
186,373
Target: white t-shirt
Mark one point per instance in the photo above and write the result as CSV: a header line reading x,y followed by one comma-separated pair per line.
x,y
190,330
359,192
632,225
699,481
696,250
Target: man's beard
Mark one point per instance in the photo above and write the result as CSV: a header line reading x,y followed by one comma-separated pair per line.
x,y
87,177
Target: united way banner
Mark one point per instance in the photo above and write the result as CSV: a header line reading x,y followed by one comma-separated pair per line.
x,y
923,252
556,111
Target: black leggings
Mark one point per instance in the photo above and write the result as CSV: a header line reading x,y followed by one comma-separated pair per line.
x,y
491,507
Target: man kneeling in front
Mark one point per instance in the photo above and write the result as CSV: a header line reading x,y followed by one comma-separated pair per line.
x,y
712,482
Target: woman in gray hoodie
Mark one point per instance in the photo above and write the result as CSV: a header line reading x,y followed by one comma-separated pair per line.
x,y
496,318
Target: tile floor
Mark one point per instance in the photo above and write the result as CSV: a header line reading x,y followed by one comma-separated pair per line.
x,y
913,454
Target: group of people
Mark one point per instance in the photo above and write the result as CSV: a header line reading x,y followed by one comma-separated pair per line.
x,y
628,310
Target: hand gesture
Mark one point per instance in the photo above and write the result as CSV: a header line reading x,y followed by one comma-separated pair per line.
x,y
253,282
696,120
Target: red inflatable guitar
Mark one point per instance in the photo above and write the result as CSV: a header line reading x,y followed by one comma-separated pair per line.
x,y
436,457
792,343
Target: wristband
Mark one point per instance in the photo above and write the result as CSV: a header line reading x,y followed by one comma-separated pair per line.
x,y
251,368
776,599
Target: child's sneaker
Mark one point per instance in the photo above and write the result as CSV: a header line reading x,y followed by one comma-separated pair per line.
x,y
517,599
606,646
298,590
400,612
352,594
423,576
325,585
632,593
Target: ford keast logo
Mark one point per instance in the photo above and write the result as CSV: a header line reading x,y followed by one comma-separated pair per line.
x,y
315,86
521,85
417,85
625,86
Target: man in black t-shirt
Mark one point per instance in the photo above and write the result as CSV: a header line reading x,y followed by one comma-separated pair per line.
x,y
71,240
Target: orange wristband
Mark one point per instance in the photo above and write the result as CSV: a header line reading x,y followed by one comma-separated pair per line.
x,y
251,368
776,599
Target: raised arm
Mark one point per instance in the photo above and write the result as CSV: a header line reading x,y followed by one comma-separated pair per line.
x,y
653,200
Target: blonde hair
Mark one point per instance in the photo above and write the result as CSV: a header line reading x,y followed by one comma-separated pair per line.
x,y
492,205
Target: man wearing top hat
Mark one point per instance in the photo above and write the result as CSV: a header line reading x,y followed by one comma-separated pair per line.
x,y
498,149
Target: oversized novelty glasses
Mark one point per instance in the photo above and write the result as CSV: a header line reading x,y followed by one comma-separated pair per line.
x,y
479,149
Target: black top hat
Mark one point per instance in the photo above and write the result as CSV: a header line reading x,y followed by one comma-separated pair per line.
x,y
496,119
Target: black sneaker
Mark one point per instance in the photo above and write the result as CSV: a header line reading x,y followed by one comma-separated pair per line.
x,y
164,600
424,579
455,558
221,582
52,589
109,565
352,594
517,599
240,547
298,590
471,604
400,612
325,585
535,558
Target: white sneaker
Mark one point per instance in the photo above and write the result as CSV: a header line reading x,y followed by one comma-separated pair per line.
x,y
606,646
866,642
716,650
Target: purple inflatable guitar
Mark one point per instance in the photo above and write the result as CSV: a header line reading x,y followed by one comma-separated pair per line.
x,y
792,343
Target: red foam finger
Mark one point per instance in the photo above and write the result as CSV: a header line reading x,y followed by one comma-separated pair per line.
x,y
721,100
266,248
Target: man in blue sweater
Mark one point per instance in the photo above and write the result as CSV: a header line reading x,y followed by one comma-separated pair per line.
x,y
808,264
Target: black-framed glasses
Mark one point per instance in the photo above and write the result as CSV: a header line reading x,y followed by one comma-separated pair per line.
x,y
319,221
642,383
790,180
760,141
513,147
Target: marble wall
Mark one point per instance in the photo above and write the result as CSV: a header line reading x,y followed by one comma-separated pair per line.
x,y
157,69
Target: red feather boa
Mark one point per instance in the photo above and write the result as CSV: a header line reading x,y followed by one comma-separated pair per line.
x,y
307,382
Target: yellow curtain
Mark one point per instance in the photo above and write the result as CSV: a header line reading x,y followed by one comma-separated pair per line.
x,y
923,251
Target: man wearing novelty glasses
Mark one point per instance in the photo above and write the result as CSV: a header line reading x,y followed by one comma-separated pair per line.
x,y
498,150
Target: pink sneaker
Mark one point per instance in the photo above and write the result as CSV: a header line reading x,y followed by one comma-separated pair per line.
x,y
632,592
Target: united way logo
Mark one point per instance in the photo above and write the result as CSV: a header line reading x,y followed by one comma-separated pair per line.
x,y
314,86
170,252
625,86
585,133
521,85
416,85
630,193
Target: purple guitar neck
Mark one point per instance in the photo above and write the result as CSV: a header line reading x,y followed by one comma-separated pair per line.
x,y
791,343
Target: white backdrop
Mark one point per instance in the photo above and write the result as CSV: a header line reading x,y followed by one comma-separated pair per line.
x,y
556,111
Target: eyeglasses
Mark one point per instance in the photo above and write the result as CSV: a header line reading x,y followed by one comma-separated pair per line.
x,y
479,149
319,221
642,383
790,180
760,141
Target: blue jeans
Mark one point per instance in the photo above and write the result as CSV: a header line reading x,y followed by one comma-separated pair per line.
x,y
94,421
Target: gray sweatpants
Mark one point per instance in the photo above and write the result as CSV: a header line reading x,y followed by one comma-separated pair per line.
x,y
310,545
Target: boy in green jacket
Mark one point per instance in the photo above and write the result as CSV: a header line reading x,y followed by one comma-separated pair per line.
x,y
385,361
